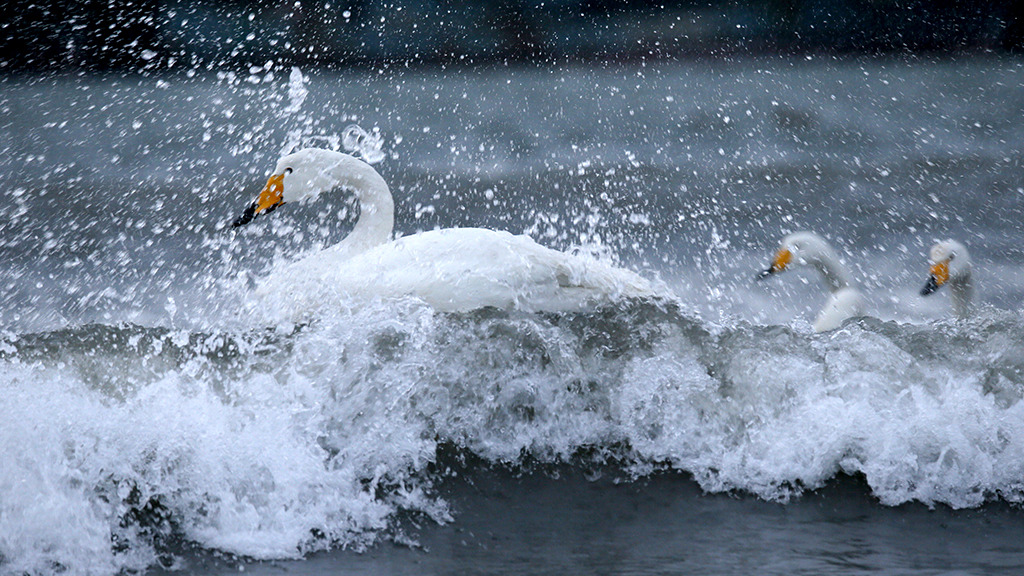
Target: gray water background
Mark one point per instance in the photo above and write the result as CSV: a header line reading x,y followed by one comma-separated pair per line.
x,y
117,190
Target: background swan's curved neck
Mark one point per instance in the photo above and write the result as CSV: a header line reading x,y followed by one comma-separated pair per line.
x,y
376,207
961,292
835,275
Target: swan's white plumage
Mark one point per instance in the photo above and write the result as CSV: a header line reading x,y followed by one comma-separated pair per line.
x,y
808,249
951,264
455,269
842,304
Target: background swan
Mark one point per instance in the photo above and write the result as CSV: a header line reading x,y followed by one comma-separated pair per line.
x,y
809,249
453,269
951,264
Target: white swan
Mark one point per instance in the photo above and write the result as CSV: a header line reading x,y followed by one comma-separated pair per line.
x,y
951,264
809,249
455,269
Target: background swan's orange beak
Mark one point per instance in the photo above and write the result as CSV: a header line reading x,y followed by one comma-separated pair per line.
x,y
939,275
270,198
782,259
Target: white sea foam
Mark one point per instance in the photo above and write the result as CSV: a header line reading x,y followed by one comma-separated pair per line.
x,y
271,445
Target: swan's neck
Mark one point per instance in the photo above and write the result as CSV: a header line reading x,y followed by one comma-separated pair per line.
x,y
376,207
961,292
833,273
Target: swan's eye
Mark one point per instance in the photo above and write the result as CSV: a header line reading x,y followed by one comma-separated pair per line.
x,y
287,170
951,256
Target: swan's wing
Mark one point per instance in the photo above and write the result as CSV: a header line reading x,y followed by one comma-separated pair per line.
x,y
470,267
454,270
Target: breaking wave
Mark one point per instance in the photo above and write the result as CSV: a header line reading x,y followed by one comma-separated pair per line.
x,y
120,442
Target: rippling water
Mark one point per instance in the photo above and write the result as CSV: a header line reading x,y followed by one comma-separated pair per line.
x,y
148,419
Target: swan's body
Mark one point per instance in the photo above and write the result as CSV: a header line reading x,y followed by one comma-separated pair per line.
x,y
454,269
809,249
951,264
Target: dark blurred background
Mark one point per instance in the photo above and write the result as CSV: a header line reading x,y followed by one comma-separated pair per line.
x,y
169,35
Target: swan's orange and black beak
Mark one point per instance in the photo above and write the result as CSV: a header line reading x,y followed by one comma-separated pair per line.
x,y
938,276
270,198
782,259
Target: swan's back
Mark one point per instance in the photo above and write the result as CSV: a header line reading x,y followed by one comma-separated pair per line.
x,y
457,269
467,268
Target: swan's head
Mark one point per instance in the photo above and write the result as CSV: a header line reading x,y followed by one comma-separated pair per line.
x,y
950,262
298,176
801,248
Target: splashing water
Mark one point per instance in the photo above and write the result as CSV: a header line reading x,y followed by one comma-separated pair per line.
x,y
367,145
297,91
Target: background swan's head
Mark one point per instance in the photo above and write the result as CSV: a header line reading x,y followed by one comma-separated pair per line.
x,y
803,248
299,176
950,262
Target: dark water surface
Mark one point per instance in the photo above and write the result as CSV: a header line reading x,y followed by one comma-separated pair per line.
x,y
665,524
